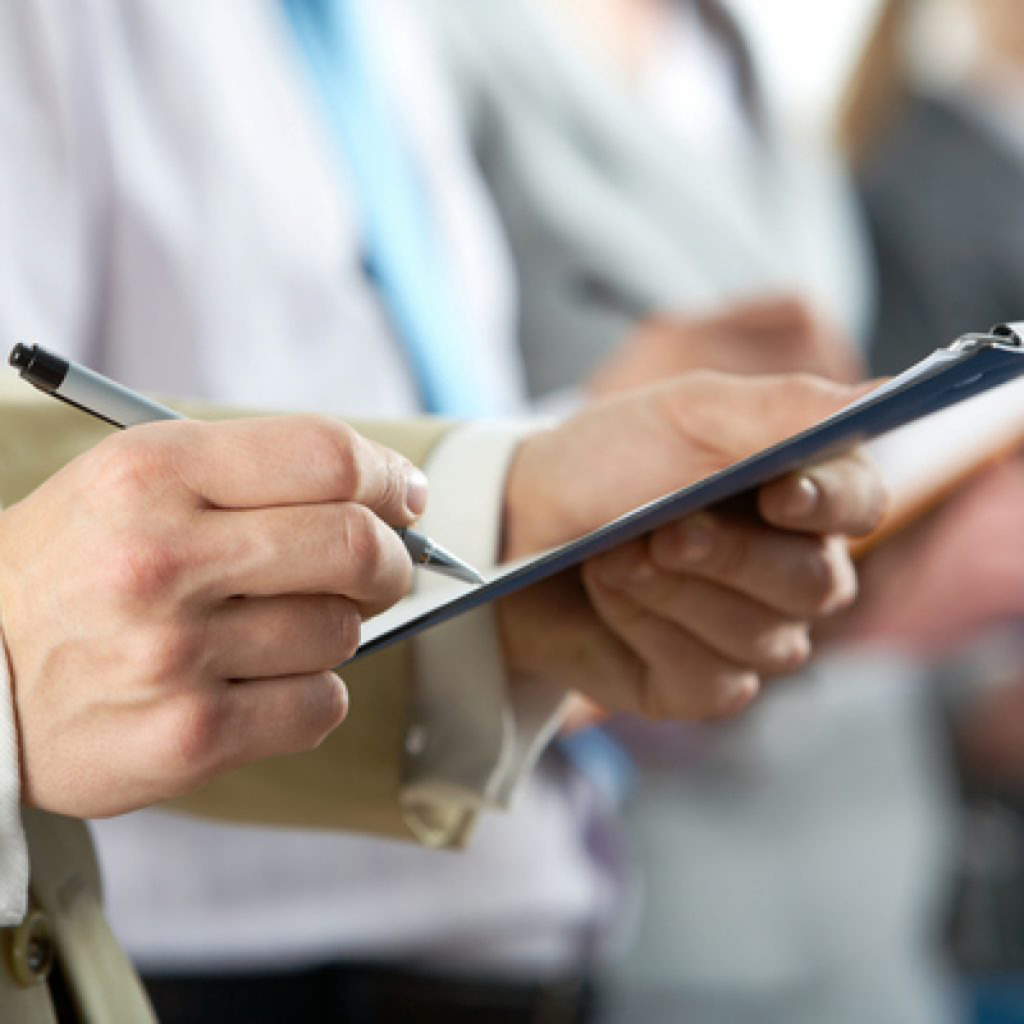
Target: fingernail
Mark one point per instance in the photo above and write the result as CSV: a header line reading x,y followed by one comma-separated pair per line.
x,y
415,492
802,499
739,694
791,646
695,541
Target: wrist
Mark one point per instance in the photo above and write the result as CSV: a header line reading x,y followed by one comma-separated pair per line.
x,y
527,503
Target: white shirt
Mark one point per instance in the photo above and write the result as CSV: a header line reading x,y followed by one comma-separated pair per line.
x,y
214,213
173,210
689,88
787,188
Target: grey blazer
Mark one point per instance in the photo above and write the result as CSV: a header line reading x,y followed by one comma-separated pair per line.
x,y
608,220
944,198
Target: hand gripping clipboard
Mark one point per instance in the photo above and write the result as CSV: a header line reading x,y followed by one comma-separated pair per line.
x,y
970,366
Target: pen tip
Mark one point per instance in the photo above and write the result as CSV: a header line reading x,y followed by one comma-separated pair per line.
x,y
456,569
447,564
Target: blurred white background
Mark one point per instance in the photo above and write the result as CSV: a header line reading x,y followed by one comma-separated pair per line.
x,y
806,49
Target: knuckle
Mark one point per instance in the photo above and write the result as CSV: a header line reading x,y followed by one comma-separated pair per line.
x,y
393,487
344,625
811,390
623,612
717,694
324,707
840,499
170,652
731,692
142,569
332,708
692,403
127,468
331,449
188,742
780,649
267,540
342,451
828,578
665,696
820,578
732,554
855,500
360,547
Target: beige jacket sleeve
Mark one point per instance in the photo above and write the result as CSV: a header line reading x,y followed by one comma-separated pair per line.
x,y
353,781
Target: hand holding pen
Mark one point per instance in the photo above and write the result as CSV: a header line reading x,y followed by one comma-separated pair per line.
x,y
119,406
175,598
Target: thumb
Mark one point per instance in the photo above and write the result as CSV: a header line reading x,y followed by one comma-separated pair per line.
x,y
391,486
762,411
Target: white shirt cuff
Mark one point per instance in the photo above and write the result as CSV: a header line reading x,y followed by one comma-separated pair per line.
x,y
472,738
13,848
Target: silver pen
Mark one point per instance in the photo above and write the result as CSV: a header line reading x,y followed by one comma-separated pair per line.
x,y
121,407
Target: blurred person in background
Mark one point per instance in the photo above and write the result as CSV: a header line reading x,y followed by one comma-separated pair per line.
x,y
249,201
933,129
796,862
642,181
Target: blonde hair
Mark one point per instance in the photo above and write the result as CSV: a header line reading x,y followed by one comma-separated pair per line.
x,y
879,85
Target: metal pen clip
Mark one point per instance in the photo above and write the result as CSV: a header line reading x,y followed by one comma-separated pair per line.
x,y
1008,335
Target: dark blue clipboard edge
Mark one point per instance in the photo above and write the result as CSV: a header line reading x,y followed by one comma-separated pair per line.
x,y
987,361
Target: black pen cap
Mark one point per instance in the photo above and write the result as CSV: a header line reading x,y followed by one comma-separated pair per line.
x,y
38,366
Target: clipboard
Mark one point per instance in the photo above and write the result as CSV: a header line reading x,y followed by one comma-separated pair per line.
x,y
969,367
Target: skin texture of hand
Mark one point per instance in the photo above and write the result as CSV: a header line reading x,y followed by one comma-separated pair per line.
x,y
173,602
773,335
685,623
